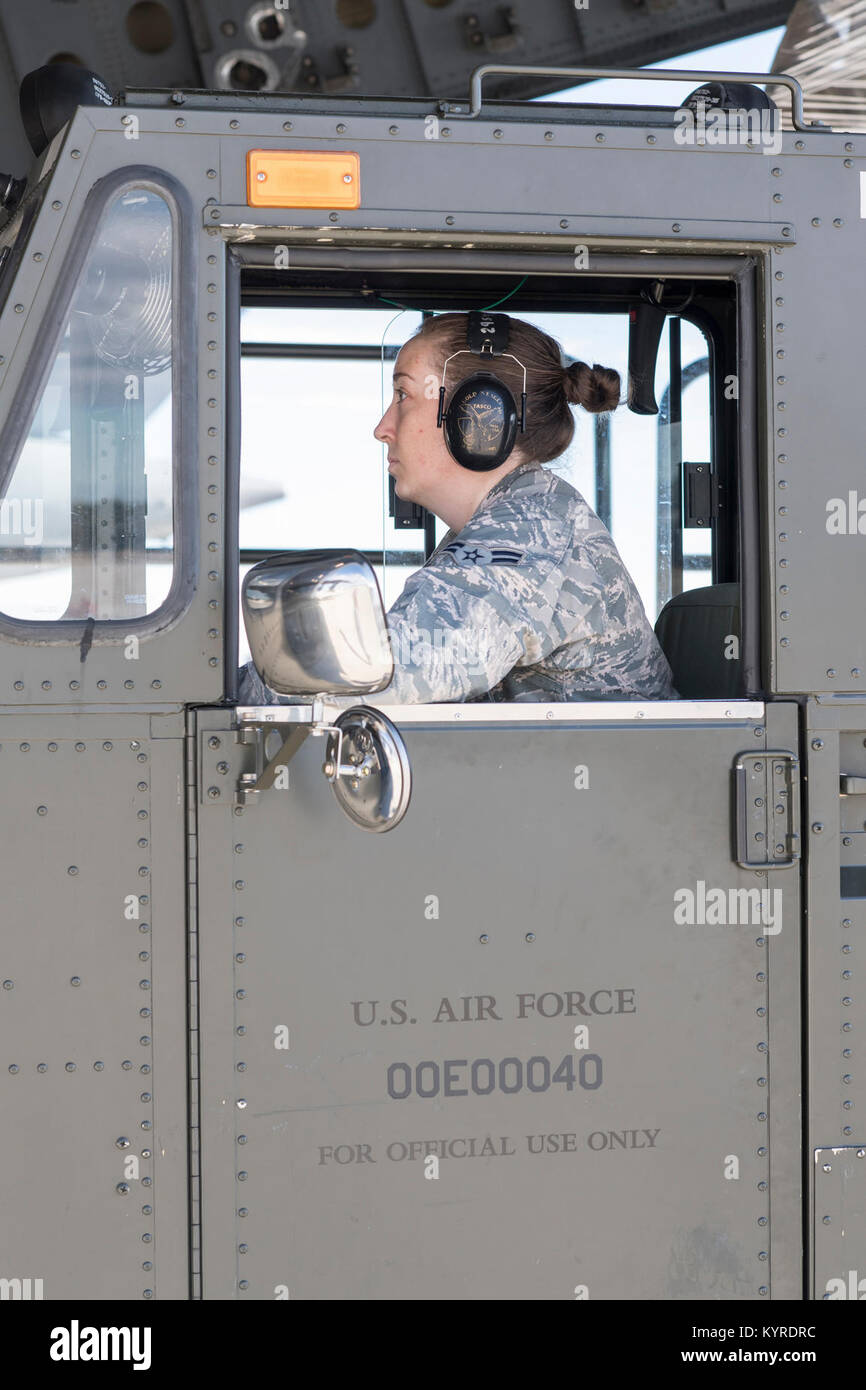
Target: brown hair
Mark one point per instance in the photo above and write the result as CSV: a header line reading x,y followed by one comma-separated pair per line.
x,y
550,388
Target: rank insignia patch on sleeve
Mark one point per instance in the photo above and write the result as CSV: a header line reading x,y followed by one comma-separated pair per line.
x,y
484,555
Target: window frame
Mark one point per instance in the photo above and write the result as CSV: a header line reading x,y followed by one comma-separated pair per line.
x,y
62,632
737,442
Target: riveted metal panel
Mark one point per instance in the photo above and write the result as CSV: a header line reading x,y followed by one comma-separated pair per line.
x,y
511,906
840,1222
834,831
181,649
92,1006
817,552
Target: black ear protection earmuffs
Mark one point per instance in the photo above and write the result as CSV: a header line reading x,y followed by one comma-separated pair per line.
x,y
481,420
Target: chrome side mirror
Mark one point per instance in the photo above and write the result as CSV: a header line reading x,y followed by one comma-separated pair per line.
x,y
316,624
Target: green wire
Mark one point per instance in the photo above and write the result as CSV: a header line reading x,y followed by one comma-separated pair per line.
x,y
397,305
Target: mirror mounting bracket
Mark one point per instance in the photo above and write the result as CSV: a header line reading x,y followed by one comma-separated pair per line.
x,y
299,721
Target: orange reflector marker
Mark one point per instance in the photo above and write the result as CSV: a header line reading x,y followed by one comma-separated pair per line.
x,y
303,179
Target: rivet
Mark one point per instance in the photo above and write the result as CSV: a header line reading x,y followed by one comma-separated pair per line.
x,y
57,205
831,672
676,227
242,1138
19,685
99,1066
777,173
818,827
127,1066
242,1249
651,139
762,1186
763,1290
241,1104
243,1283
762,1255
838,222
484,939
530,936
240,994
70,1066
548,135
816,221
243,1211
287,125
147,1237
13,1068
8,984
75,981
817,743
73,869
122,1188
599,139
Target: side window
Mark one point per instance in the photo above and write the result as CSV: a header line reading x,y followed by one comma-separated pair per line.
x,y
86,510
315,383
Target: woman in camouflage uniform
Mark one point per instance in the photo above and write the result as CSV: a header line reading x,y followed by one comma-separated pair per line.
x,y
526,597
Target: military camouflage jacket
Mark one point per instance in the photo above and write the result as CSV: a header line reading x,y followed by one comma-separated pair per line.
x,y
529,601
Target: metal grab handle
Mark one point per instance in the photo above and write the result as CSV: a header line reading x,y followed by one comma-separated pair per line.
x,y
778,79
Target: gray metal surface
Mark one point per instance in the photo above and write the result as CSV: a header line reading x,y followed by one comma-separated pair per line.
x,y
400,47
835,826
573,886
93,1004
505,881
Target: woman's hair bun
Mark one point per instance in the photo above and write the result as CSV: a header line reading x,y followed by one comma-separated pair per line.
x,y
596,388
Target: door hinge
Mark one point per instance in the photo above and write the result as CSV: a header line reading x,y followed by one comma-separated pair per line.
x,y
767,809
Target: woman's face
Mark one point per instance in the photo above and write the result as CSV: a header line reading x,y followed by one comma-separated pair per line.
x,y
418,458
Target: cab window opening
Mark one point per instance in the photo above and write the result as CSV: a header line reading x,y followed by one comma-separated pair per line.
x,y
657,482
